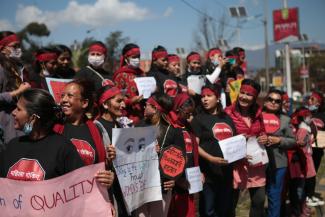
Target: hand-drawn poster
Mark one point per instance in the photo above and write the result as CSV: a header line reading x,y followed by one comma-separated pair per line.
x,y
74,194
136,165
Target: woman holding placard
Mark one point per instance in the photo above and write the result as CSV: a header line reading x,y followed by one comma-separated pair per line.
x,y
157,112
250,173
280,139
211,126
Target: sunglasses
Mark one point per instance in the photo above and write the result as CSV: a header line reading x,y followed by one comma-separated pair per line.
x,y
277,101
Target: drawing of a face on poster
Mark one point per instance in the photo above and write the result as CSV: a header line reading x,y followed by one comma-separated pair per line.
x,y
133,145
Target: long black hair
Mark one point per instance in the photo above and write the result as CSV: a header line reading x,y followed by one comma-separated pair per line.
x,y
42,104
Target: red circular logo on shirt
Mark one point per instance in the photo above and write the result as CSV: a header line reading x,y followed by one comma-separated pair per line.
x,y
170,87
271,122
85,150
26,170
319,123
222,131
188,142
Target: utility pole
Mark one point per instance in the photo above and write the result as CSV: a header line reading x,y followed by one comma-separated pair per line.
x,y
266,49
287,61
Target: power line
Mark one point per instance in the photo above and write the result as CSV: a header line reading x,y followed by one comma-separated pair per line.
x,y
215,20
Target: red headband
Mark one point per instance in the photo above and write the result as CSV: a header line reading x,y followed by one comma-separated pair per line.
x,y
193,57
108,94
7,40
231,57
173,59
154,103
45,57
159,54
207,91
318,97
179,100
132,52
213,52
249,89
97,48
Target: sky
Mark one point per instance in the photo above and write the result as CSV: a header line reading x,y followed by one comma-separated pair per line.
x,y
171,23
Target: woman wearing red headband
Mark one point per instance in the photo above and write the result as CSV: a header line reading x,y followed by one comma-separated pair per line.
x,y
76,101
280,139
124,79
315,105
301,165
157,108
247,116
94,71
183,112
44,66
165,82
211,126
12,81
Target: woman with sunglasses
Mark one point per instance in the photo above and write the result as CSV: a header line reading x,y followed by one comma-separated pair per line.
x,y
280,138
40,154
247,116
211,126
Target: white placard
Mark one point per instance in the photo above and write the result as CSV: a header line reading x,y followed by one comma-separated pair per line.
x,y
256,151
193,176
136,165
146,86
195,83
233,148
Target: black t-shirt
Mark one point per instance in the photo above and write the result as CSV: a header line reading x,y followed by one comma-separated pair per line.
x,y
166,83
108,125
49,157
211,129
81,138
90,75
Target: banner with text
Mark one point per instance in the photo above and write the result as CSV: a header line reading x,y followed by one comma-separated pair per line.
x,y
74,194
286,25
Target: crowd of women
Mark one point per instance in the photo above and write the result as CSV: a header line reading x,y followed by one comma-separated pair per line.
x,y
50,139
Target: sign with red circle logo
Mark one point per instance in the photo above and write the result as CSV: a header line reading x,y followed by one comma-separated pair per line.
x,y
26,170
85,150
172,162
222,131
271,123
170,88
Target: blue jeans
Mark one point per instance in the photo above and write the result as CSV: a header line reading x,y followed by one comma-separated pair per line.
x,y
274,186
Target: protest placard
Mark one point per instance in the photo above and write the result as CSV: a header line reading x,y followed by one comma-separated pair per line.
x,y
56,87
233,148
257,152
146,86
136,165
172,162
195,83
74,194
193,176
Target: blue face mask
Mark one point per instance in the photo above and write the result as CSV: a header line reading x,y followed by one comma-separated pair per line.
x,y
215,62
313,107
28,128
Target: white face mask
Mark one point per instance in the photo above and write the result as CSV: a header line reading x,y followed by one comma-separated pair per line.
x,y
15,53
46,73
96,60
134,62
